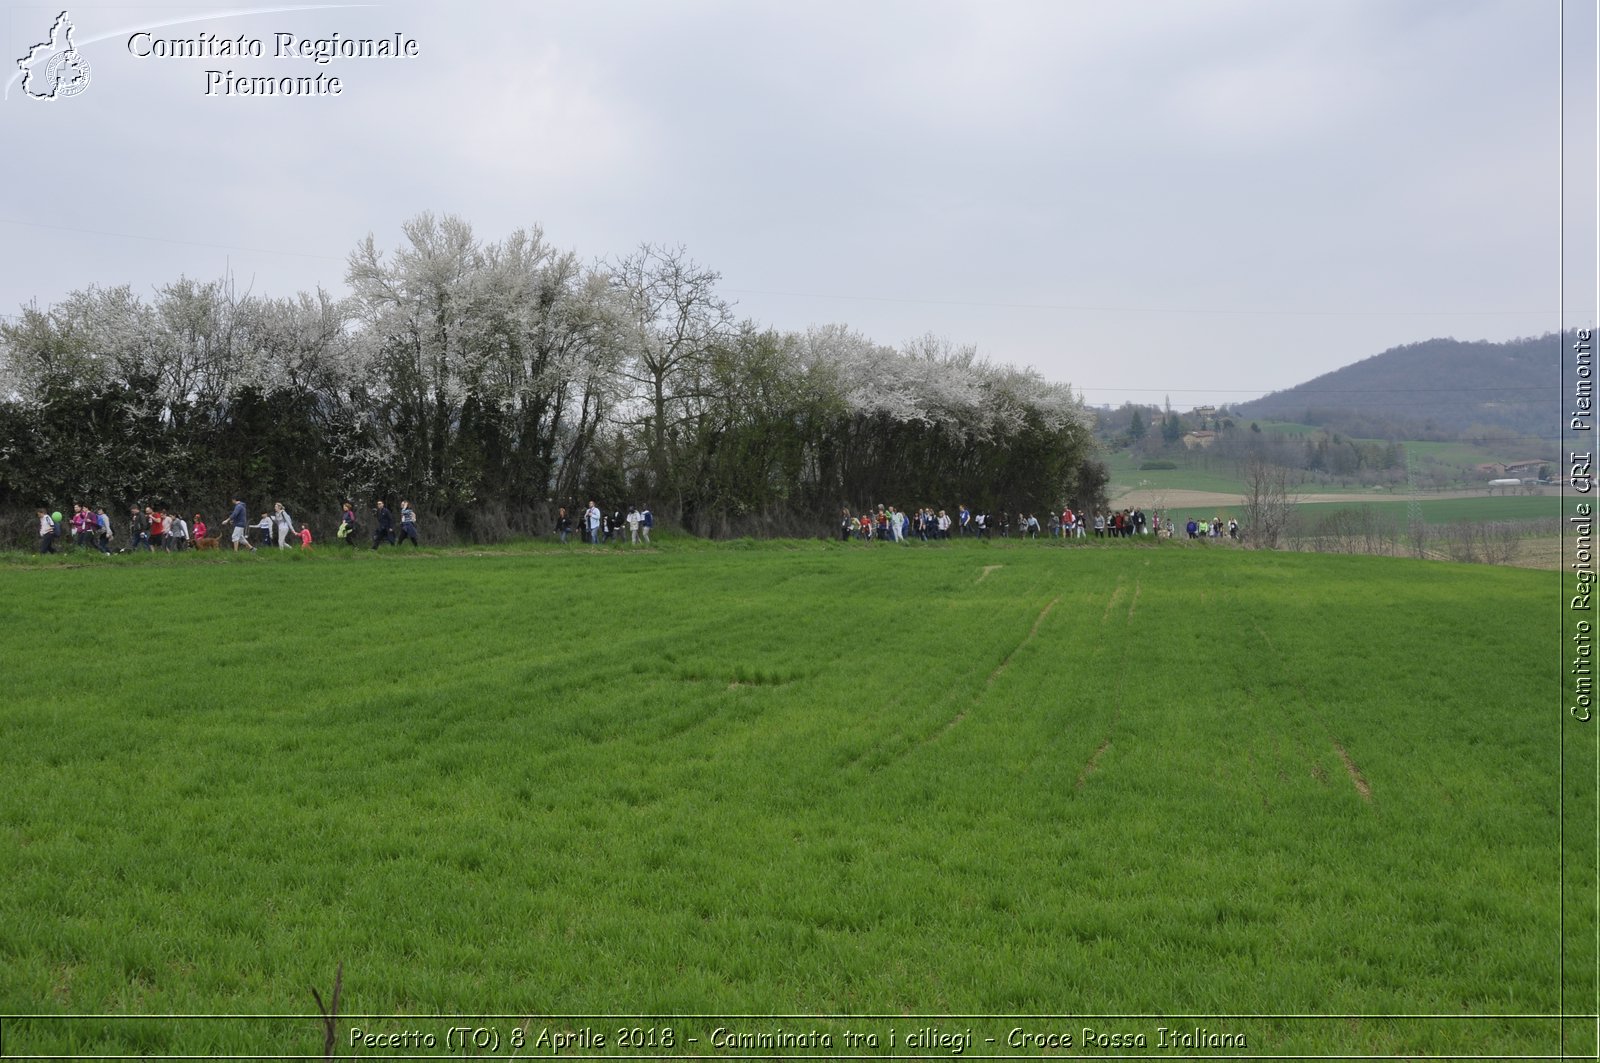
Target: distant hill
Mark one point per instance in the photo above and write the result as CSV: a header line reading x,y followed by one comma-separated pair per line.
x,y
1431,390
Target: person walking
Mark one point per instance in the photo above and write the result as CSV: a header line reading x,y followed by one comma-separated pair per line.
x,y
563,524
591,520
408,525
384,532
47,532
348,527
282,525
647,520
138,529
240,520
102,530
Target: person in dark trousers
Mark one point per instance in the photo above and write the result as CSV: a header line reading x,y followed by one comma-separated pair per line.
x,y
408,524
563,524
384,532
348,528
138,529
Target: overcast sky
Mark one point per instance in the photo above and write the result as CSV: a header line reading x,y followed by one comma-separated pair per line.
x,y
1206,199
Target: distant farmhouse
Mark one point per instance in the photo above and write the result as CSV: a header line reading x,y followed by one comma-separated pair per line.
x,y
1514,470
1199,440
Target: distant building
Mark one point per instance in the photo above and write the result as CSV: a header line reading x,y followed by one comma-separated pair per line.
x,y
1492,469
1200,439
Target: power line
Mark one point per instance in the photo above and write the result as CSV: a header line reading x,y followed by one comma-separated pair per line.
x,y
1088,308
170,240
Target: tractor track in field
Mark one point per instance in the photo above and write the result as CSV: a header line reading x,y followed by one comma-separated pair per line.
x,y
1363,788
1119,594
909,745
1094,760
1111,602
994,675
1093,763
1032,631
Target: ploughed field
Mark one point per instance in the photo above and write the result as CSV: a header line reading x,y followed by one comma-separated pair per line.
x,y
792,779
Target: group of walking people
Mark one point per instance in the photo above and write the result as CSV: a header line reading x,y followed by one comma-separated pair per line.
x,y
598,528
383,525
888,524
1214,528
152,528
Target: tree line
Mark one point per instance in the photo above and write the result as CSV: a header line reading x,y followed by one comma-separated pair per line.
x,y
492,381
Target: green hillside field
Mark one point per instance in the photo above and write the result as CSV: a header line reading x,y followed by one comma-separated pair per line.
x,y
1485,507
850,786
1126,474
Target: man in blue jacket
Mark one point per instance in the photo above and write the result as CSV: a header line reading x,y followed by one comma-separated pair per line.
x,y
238,519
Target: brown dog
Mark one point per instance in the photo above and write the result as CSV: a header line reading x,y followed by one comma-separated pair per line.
x,y
206,543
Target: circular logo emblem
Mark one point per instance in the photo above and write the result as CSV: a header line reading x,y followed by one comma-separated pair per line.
x,y
67,73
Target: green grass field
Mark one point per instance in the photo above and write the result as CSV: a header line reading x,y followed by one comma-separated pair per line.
x,y
1459,452
1471,454
1434,510
780,778
1126,476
